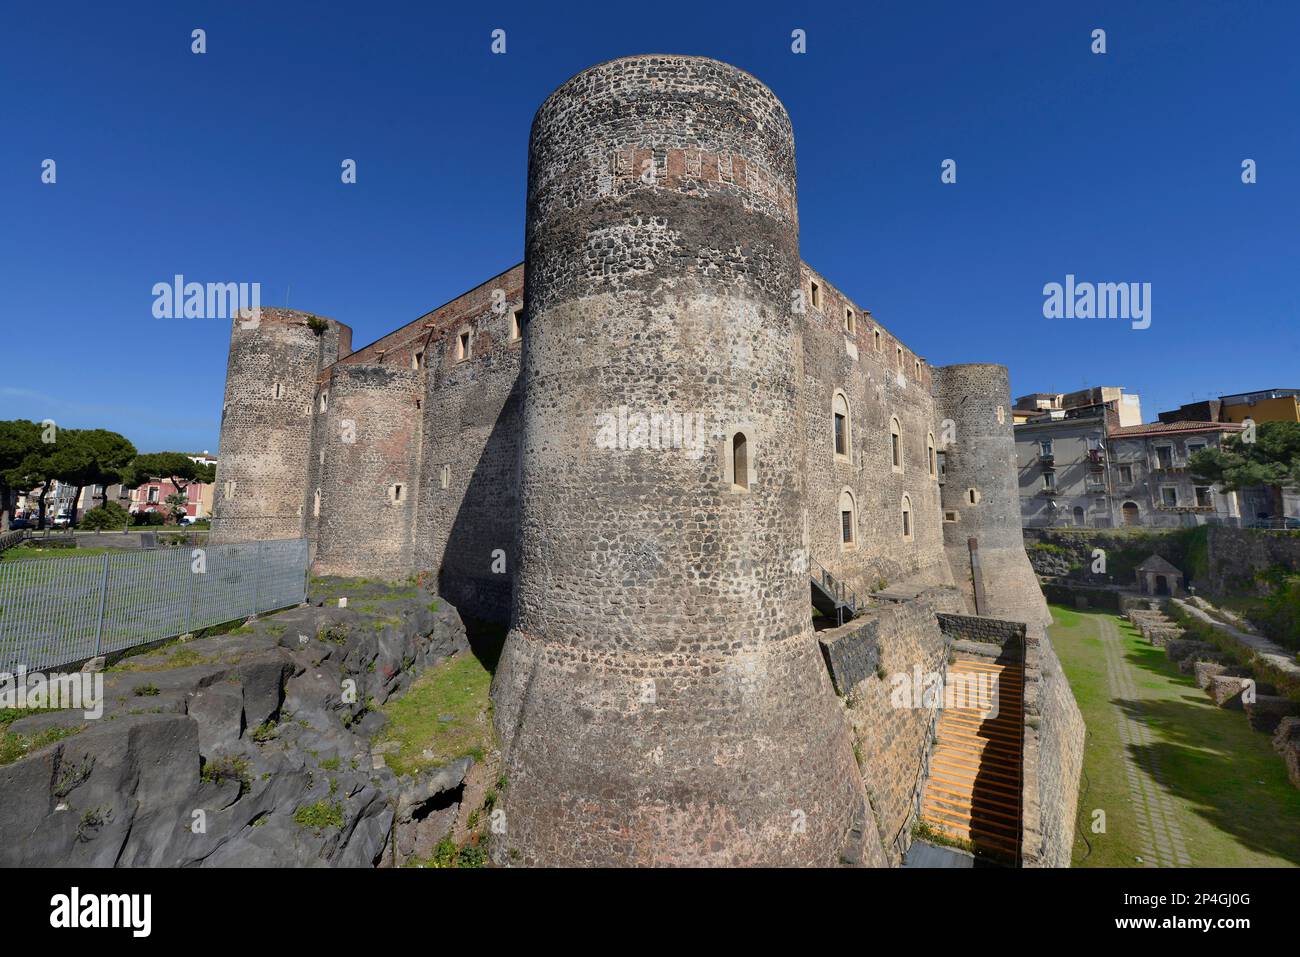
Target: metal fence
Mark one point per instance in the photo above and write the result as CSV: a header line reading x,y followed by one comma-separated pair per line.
x,y
56,611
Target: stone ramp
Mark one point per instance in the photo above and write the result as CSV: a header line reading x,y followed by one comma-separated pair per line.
x,y
973,792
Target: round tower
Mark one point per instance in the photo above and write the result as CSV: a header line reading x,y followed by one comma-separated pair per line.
x,y
985,544
661,698
263,463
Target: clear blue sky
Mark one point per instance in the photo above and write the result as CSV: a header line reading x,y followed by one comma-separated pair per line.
x,y
225,167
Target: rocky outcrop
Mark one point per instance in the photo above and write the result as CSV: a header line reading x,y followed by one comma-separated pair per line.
x,y
1286,742
247,749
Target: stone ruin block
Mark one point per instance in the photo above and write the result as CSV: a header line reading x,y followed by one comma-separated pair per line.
x,y
1188,665
1226,691
1179,648
1266,712
1286,742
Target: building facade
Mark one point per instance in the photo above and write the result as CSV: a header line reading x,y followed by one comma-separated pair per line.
x,y
1081,468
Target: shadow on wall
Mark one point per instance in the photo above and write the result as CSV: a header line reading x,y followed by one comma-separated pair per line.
x,y
485,522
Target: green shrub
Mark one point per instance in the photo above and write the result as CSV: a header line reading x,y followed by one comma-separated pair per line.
x,y
108,516
143,519
320,815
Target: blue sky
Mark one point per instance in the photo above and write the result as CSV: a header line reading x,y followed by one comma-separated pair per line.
x,y
1123,167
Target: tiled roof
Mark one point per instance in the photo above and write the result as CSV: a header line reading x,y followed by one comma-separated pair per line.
x,y
1156,428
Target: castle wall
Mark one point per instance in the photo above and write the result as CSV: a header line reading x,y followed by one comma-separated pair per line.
x,y
368,493
266,422
980,457
466,531
881,380
660,697
1053,758
893,744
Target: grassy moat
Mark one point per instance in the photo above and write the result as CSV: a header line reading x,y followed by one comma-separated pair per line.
x,y
1181,782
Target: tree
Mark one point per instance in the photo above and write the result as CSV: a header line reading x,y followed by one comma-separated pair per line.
x,y
72,462
110,515
112,455
176,467
18,439
36,470
1272,460
176,503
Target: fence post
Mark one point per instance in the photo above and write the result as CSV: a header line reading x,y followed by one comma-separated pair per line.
x,y
257,577
103,595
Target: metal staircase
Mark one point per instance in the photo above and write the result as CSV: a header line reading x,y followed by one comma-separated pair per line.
x,y
831,596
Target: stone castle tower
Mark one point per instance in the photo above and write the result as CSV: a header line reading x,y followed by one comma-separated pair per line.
x,y
641,448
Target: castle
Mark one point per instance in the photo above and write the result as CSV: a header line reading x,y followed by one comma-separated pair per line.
x,y
647,447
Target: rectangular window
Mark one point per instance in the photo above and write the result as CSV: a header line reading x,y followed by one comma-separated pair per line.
x,y
446,476
417,360
1045,447
514,325
941,460
846,527
1126,474
895,450
1165,456
324,400
841,447
1194,447
907,524
816,296
1049,481
898,352
462,347
1203,498
848,321
879,344
1168,495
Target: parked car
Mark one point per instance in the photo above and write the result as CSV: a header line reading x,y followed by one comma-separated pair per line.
x,y
15,524
61,521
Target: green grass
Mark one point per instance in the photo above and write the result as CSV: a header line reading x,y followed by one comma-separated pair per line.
x,y
22,553
1229,789
320,815
458,688
14,746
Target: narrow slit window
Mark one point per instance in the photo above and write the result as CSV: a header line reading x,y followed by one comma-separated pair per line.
x,y
462,347
896,444
515,329
816,296
849,324
740,460
907,517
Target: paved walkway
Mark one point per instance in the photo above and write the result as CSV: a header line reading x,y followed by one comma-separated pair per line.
x,y
1161,838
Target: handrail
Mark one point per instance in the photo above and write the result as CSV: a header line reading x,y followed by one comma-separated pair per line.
x,y
841,594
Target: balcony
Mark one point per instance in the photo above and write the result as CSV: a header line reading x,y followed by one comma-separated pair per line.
x,y
1047,460
1096,460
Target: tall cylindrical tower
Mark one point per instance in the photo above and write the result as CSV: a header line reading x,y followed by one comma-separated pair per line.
x,y
661,698
263,467
985,545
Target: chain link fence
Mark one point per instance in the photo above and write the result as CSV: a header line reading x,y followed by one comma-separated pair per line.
x,y
57,611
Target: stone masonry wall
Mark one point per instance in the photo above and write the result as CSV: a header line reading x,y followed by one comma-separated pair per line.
x,y
368,494
466,531
881,380
893,744
1053,758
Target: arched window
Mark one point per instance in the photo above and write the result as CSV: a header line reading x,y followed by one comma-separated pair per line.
x,y
895,444
907,516
931,457
1132,516
842,426
848,519
315,504
739,461
1079,518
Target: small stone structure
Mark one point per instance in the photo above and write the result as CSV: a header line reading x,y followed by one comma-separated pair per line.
x,y
1158,576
